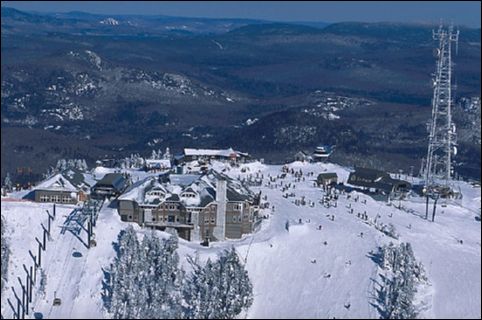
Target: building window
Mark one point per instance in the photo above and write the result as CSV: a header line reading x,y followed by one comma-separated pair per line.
x,y
213,220
44,198
170,218
130,217
234,218
239,218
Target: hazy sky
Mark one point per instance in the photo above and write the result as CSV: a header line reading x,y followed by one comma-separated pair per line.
x,y
460,12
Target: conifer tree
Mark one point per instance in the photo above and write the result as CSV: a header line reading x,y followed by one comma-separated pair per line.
x,y
5,254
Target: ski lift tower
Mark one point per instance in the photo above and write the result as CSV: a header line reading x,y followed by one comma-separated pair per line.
x,y
438,168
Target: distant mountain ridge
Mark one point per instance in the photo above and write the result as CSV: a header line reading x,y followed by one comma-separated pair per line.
x,y
73,86
78,17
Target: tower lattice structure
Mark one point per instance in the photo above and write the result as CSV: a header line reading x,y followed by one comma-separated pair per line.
x,y
438,167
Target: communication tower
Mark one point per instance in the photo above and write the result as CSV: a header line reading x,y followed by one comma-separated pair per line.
x,y
437,167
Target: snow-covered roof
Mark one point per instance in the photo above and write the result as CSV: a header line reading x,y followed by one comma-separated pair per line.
x,y
189,189
183,179
211,152
136,191
158,187
56,183
166,163
203,188
77,178
235,190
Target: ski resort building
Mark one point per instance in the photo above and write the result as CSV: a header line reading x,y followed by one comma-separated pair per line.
x,y
327,178
68,187
302,156
321,153
379,182
215,154
210,206
112,184
158,164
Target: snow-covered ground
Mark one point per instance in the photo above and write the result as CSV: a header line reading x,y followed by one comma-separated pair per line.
x,y
301,273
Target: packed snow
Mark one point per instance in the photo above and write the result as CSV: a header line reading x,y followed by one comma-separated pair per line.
x,y
300,271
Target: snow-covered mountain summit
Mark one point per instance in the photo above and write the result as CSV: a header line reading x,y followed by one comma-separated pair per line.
x,y
312,257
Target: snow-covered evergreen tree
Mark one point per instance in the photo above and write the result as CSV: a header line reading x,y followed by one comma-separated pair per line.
x,y
219,290
5,254
236,288
7,183
196,292
64,164
127,294
43,282
78,164
404,274
147,282
146,279
50,172
61,165
163,278
167,154
85,167
71,163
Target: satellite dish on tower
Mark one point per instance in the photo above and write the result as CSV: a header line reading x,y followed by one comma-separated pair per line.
x,y
436,52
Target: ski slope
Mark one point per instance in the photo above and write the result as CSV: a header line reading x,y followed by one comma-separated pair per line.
x,y
294,273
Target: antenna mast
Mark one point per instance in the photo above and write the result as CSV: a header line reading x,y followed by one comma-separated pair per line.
x,y
442,137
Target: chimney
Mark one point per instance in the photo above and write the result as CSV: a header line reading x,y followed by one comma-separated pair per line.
x,y
219,231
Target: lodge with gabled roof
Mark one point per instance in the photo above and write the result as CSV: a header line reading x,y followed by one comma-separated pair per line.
x,y
112,184
379,182
210,207
68,187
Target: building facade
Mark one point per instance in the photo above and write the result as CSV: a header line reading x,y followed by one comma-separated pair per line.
x,y
209,208
214,154
68,187
322,153
327,178
111,185
379,182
